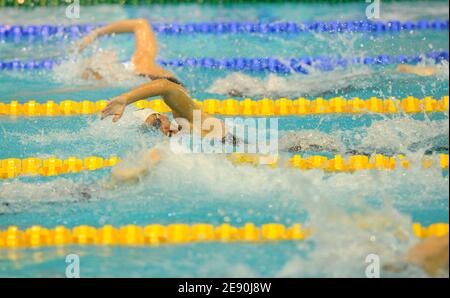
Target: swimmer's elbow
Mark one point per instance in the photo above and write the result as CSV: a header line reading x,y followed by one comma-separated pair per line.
x,y
141,23
164,87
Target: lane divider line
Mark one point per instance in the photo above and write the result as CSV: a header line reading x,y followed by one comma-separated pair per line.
x,y
15,167
245,107
156,234
280,65
18,33
32,166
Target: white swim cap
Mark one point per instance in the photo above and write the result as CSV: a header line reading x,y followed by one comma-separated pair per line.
x,y
143,114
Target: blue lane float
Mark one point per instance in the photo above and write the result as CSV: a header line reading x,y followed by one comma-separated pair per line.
x,y
24,32
266,64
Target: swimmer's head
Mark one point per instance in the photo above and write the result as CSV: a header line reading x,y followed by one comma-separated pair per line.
x,y
162,123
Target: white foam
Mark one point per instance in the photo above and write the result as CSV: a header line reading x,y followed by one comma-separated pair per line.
x,y
404,135
104,62
443,70
273,86
20,195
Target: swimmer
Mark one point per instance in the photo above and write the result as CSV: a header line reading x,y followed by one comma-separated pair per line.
x,y
323,84
430,254
423,71
178,100
143,60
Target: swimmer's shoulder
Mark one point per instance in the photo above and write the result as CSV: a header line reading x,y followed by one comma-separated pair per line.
x,y
171,82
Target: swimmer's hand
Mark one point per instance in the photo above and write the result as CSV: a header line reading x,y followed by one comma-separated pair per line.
x,y
120,174
115,107
86,41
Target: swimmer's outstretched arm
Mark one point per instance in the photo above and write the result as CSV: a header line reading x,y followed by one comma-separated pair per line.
x,y
117,105
145,38
173,95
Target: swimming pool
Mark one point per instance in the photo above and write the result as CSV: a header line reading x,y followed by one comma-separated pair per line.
x,y
352,214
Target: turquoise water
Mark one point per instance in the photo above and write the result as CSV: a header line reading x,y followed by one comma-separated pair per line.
x,y
207,188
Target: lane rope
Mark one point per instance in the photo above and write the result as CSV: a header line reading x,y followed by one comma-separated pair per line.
x,y
245,107
156,234
33,166
257,64
20,33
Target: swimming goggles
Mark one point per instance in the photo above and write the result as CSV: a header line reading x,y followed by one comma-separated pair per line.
x,y
157,123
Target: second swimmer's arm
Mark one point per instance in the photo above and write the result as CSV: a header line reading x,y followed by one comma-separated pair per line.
x,y
150,159
126,26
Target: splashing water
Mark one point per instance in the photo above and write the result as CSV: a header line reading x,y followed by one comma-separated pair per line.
x,y
273,86
311,140
405,135
105,63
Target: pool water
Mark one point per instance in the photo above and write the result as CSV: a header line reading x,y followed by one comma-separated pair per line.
x,y
209,189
